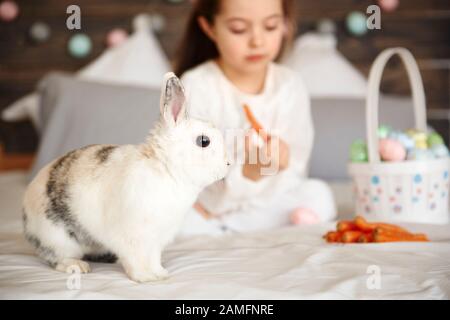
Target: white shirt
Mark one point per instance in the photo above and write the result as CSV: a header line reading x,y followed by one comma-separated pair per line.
x,y
282,108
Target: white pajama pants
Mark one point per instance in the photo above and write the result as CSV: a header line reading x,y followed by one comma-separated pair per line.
x,y
266,214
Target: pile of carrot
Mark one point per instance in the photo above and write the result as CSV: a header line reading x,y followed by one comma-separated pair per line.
x,y
361,231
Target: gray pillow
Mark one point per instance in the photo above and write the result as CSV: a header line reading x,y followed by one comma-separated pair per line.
x,y
338,122
76,113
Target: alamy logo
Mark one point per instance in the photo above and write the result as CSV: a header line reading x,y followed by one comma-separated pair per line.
x,y
373,282
374,20
74,280
74,20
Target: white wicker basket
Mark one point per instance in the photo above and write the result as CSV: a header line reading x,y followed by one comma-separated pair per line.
x,y
408,191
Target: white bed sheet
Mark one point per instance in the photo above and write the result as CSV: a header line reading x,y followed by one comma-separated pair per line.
x,y
287,263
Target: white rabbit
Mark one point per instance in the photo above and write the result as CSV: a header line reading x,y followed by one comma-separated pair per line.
x,y
103,202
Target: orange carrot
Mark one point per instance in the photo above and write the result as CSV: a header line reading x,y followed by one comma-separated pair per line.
x,y
380,232
254,123
351,236
386,238
333,236
361,231
346,226
365,226
200,209
366,238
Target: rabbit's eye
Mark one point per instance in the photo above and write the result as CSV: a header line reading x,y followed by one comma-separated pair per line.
x,y
203,141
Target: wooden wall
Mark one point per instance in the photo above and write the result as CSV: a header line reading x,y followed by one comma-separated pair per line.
x,y
423,26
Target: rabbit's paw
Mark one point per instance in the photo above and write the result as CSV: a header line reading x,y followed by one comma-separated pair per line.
x,y
162,273
147,275
73,266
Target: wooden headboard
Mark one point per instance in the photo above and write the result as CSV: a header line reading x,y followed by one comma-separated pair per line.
x,y
419,25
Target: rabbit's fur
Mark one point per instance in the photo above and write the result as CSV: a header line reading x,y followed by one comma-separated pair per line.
x,y
106,201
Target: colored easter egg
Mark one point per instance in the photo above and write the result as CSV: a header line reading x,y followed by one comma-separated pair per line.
x,y
421,144
79,45
40,32
420,154
416,133
391,150
439,151
419,137
116,37
434,139
383,131
358,151
9,11
304,216
356,23
406,141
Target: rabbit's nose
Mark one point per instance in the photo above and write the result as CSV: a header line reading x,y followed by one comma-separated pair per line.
x,y
228,163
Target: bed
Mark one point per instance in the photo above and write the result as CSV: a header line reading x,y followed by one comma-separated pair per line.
x,y
286,263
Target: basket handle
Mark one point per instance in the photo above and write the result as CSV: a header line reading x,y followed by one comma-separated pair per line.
x,y
418,95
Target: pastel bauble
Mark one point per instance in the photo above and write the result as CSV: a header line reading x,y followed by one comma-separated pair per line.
x,y
158,22
40,32
326,26
356,23
116,37
388,5
79,45
9,11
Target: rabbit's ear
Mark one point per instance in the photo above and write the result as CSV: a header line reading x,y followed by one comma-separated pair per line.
x,y
173,100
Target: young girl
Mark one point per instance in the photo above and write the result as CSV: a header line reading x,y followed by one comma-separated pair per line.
x,y
226,61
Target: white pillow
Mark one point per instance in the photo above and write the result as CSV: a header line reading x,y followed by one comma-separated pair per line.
x,y
139,61
325,71
24,108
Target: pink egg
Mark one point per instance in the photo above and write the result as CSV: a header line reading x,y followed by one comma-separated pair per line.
x,y
8,10
116,37
304,216
391,150
388,5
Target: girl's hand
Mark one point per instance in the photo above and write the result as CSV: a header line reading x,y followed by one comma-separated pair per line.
x,y
274,153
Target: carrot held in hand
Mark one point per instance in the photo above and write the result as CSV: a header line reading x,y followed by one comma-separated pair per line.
x,y
202,211
254,123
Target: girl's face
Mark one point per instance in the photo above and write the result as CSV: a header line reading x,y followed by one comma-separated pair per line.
x,y
248,34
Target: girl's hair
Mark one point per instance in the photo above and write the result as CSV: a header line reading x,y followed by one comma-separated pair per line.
x,y
196,47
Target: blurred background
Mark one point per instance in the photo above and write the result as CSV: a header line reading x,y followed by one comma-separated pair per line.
x,y
34,40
